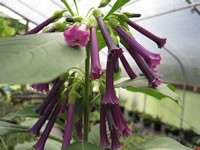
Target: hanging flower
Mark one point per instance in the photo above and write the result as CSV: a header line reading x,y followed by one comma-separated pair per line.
x,y
96,70
79,129
40,144
113,51
103,133
68,129
127,67
151,58
110,96
77,36
159,41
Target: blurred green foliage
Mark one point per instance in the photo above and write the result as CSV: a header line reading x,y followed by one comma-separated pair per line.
x,y
10,27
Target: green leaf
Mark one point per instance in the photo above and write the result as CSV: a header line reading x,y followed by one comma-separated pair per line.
x,y
26,112
118,4
82,146
7,128
36,58
140,84
50,145
163,143
94,136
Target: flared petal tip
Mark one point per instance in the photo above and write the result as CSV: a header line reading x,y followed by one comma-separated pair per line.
x,y
116,146
115,53
155,83
162,42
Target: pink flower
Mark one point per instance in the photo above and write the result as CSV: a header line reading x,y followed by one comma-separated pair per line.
x,y
77,36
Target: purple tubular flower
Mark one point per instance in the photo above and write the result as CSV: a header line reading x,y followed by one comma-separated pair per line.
x,y
115,141
96,70
77,36
79,129
40,144
49,97
127,67
110,96
38,125
151,58
114,51
120,120
154,80
68,129
103,134
40,27
41,87
159,41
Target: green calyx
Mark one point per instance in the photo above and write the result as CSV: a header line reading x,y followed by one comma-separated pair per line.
x,y
104,3
113,22
58,14
122,17
78,19
59,26
92,22
97,12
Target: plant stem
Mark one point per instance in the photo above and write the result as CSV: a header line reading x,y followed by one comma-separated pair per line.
x,y
76,7
86,93
68,7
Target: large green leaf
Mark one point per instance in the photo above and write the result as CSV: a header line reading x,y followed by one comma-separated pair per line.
x,y
140,84
162,144
50,145
7,128
82,146
36,58
118,4
26,112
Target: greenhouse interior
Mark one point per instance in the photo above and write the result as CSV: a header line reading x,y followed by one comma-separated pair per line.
x,y
99,75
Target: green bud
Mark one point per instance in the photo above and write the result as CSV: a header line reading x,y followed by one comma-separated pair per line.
x,y
122,17
59,26
58,14
46,28
93,22
97,12
130,15
78,18
104,3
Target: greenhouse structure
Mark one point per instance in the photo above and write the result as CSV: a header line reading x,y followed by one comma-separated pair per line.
x,y
99,75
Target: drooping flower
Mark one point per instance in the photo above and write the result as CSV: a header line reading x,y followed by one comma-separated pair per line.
x,y
110,96
127,67
115,140
114,52
103,134
41,142
154,79
151,58
50,96
38,125
77,36
41,87
96,70
159,41
68,129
